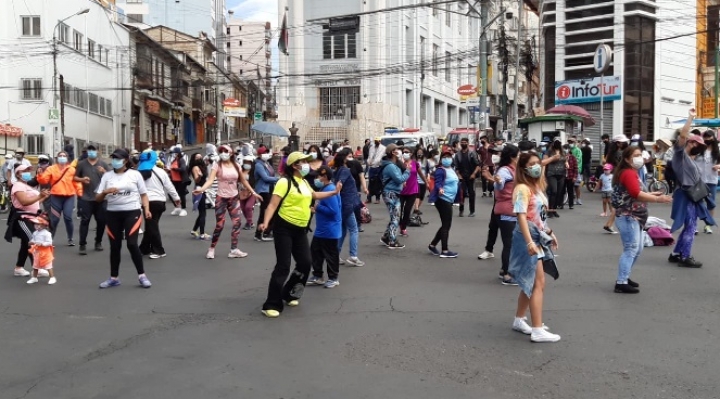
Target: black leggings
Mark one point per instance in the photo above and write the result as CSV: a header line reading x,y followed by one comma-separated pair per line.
x,y
261,215
443,234
125,223
407,204
23,229
181,188
290,242
555,191
506,233
570,189
202,214
493,228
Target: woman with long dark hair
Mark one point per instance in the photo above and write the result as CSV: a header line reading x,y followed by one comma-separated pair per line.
x,y
247,200
555,171
198,170
291,199
411,188
265,180
445,193
350,200
424,166
710,164
631,215
228,175
532,241
504,185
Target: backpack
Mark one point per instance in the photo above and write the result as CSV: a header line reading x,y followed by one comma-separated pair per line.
x,y
365,216
377,184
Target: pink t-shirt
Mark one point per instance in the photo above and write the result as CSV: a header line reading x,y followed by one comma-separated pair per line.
x,y
411,185
31,192
227,179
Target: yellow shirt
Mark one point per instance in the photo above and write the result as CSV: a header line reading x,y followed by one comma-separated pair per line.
x,y
295,209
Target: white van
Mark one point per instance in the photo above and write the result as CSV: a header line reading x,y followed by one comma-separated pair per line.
x,y
409,137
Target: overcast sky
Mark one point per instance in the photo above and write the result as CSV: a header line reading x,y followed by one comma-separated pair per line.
x,y
255,10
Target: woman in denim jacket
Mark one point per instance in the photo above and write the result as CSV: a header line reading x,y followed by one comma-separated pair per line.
x,y
530,245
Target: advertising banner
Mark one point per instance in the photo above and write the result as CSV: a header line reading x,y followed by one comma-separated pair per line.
x,y
588,90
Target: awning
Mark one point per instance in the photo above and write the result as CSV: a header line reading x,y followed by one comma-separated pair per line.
x,y
9,130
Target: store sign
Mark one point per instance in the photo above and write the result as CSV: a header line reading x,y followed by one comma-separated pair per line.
x,y
157,108
9,130
588,90
232,108
467,90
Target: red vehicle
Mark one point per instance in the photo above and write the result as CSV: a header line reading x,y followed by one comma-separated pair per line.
x,y
473,136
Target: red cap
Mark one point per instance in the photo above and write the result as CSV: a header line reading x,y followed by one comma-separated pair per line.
x,y
696,138
261,150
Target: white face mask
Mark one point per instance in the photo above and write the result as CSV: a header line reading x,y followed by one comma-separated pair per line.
x,y
406,156
224,156
638,162
495,159
431,164
247,166
265,157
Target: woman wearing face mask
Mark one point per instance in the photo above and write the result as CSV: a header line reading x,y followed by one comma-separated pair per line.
x,y
265,180
710,164
394,175
531,243
632,215
555,163
125,191
26,200
444,195
350,200
424,166
291,199
199,172
228,175
247,200
411,189
685,211
63,190
315,161
504,180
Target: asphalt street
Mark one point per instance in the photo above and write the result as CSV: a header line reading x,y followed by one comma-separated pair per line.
x,y
407,325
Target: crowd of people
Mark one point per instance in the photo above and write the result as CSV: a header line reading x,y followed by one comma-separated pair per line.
x,y
529,183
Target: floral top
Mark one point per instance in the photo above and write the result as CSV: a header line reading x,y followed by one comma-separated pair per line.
x,y
625,197
531,204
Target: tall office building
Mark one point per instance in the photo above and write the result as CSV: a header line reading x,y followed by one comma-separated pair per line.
x,y
249,51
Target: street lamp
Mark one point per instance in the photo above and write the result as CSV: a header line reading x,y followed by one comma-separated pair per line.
x,y
55,72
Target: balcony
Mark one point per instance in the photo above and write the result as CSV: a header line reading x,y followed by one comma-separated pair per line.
x,y
209,108
180,97
197,103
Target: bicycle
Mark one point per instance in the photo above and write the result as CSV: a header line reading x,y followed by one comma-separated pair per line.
x,y
4,198
655,185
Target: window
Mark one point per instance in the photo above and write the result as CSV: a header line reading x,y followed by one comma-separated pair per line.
x,y
448,67
435,51
339,46
100,52
135,18
239,28
31,89
423,108
93,102
108,107
437,112
63,33
107,56
78,40
30,25
335,101
35,143
448,14
101,103
91,48
408,102
227,45
227,31
240,43
434,9
639,76
423,49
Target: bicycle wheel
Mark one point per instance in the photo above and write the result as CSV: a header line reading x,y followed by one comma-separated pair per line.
x,y
658,185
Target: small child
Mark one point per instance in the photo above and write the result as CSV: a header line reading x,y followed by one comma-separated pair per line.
x,y
42,250
606,189
328,229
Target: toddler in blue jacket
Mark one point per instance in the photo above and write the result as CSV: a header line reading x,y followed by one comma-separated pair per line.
x,y
328,229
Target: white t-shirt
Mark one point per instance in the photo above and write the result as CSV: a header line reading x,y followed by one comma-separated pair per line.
x,y
130,186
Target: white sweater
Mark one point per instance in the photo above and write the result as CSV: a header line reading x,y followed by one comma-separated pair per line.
x,y
158,185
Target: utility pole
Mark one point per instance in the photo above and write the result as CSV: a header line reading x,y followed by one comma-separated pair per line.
x,y
482,85
62,112
517,68
504,53
717,79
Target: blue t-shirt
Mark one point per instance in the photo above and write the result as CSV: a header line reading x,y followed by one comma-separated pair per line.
x,y
606,181
450,188
349,193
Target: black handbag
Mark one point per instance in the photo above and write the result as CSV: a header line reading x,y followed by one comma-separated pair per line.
x,y
550,267
698,191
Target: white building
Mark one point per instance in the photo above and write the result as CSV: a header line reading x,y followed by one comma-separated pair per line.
x,y
651,81
351,77
249,52
92,59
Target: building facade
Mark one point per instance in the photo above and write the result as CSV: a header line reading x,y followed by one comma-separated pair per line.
x,y
651,80
351,77
86,103
249,56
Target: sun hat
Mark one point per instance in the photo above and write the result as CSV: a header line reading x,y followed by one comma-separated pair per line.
x,y
620,138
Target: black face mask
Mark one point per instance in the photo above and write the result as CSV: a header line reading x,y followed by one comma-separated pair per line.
x,y
697,150
464,146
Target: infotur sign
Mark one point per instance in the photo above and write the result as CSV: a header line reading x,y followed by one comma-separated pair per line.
x,y
588,90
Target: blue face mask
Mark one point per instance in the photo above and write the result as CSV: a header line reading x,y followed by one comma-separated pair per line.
x,y
26,176
447,162
62,160
319,184
117,163
92,154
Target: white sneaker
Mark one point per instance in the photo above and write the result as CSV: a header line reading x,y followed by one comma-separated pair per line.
x,y
542,335
43,273
521,325
354,261
236,253
175,212
21,272
210,253
341,262
32,280
52,281
486,255
182,213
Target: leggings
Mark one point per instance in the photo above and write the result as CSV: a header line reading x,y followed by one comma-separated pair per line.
x,y
506,232
570,188
493,228
247,205
687,237
407,203
23,229
62,206
555,191
202,214
119,224
392,202
443,234
232,206
261,215
181,188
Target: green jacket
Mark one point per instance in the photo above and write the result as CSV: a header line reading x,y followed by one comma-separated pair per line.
x,y
577,153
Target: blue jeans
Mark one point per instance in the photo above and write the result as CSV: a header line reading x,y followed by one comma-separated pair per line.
x,y
392,202
632,240
62,206
349,224
684,244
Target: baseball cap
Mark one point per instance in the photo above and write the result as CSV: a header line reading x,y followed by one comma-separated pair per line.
x,y
378,138
390,148
608,167
696,138
176,150
620,138
120,153
262,150
19,167
297,156
635,137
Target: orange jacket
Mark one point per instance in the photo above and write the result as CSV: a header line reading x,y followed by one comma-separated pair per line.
x,y
65,187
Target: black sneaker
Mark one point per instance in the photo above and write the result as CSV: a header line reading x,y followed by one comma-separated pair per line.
x,y
83,250
557,215
98,247
674,258
626,289
472,214
633,284
461,214
396,245
690,262
385,240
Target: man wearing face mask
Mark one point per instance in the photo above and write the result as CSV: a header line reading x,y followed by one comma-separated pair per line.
x,y
467,166
19,159
374,159
63,189
89,172
605,143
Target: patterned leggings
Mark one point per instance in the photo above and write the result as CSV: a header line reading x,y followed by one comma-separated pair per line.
x,y
687,237
392,201
232,206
